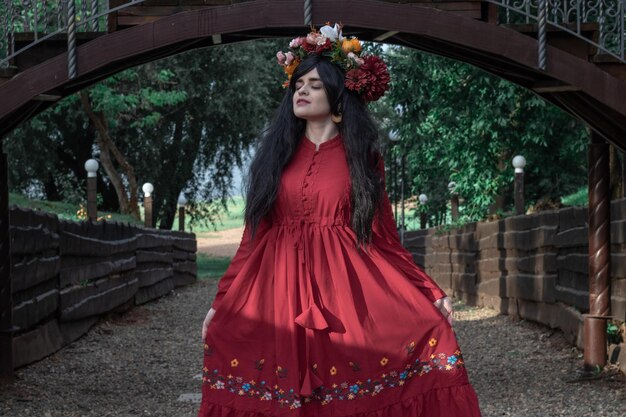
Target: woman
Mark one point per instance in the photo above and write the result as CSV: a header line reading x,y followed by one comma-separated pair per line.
x,y
322,312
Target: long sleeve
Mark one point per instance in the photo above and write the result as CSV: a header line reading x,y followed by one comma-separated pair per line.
x,y
243,252
386,238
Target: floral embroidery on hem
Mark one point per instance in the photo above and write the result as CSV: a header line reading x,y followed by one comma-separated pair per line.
x,y
343,391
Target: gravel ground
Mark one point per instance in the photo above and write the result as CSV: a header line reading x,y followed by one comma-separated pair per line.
x,y
141,362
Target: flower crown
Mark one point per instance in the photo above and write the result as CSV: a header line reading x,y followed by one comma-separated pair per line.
x,y
366,75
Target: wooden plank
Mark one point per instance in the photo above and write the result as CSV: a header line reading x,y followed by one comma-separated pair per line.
x,y
29,272
97,269
77,302
182,279
38,343
188,267
155,257
77,245
149,277
152,292
28,313
32,240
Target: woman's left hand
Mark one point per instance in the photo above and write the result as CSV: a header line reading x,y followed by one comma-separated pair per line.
x,y
445,306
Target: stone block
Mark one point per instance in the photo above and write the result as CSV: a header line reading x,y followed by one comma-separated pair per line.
x,y
570,321
575,262
573,297
618,209
544,313
618,232
494,287
572,217
538,288
574,237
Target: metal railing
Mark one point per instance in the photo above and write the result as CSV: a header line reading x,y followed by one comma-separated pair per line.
x,y
45,19
570,17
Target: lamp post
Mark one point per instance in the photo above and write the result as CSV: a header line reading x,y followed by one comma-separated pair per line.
x,y
182,202
394,137
147,203
454,201
91,166
423,200
519,162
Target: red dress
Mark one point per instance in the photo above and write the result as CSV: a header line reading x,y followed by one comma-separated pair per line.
x,y
308,326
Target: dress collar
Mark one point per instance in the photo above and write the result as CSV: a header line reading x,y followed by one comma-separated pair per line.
x,y
330,143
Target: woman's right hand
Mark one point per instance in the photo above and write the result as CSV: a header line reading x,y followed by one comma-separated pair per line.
x,y
205,324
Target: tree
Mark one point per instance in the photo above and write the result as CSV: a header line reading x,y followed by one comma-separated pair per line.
x,y
180,123
461,124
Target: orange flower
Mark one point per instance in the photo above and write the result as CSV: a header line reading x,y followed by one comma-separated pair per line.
x,y
234,363
351,45
289,69
333,371
384,361
432,342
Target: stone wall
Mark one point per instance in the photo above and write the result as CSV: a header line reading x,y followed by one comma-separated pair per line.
x,y
65,275
533,266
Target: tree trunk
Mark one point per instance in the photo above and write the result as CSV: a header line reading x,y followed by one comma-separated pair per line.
x,y
108,149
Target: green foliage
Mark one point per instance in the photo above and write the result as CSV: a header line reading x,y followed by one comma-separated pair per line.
x,y
464,125
579,198
182,123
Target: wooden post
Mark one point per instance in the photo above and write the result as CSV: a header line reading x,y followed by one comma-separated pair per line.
x,y
181,218
92,206
519,193
594,325
147,207
454,207
6,302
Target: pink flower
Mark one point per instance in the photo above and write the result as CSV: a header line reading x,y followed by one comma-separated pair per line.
x,y
280,56
356,59
289,58
296,42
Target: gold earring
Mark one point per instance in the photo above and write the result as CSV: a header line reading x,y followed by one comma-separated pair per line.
x,y
336,118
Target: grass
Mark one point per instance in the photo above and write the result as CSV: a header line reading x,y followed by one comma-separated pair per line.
x,y
66,211
230,220
69,211
211,267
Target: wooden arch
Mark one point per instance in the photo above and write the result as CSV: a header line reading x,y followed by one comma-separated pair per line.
x,y
578,86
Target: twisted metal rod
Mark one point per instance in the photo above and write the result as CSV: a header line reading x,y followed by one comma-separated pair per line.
x,y
541,35
71,40
308,12
94,12
599,228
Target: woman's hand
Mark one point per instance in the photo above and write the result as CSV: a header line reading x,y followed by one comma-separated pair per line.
x,y
205,324
445,306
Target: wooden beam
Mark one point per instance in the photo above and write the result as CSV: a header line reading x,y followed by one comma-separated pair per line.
x,y
552,87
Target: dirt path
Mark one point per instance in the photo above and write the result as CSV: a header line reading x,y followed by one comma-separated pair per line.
x,y
220,244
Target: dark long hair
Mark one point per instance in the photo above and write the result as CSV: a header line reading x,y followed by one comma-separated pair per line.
x,y
280,140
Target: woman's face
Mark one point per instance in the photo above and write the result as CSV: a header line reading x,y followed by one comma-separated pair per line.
x,y
309,100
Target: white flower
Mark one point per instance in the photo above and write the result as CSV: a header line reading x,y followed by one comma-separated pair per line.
x,y
289,57
359,61
332,33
